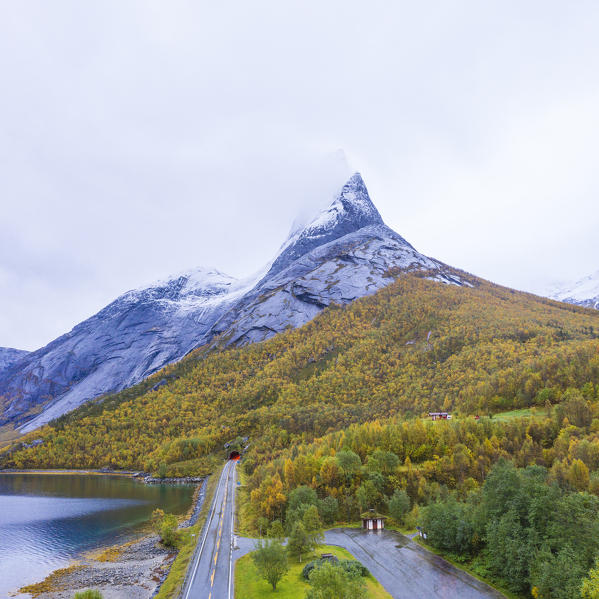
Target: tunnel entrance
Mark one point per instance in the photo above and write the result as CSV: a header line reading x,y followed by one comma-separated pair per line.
x,y
234,455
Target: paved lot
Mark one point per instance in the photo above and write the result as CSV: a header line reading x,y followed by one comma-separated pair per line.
x,y
405,569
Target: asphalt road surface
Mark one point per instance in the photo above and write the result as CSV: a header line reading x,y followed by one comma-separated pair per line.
x,y
407,570
211,573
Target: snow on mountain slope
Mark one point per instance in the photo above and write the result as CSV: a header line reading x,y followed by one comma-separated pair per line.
x,y
131,338
584,292
9,356
357,264
349,212
344,253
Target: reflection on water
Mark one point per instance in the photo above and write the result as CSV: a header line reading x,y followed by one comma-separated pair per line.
x,y
47,520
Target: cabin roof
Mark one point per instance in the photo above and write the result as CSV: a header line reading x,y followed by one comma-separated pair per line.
x,y
373,516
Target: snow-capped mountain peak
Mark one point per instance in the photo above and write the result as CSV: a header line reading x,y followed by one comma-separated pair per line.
x,y
584,292
351,210
344,252
198,282
353,204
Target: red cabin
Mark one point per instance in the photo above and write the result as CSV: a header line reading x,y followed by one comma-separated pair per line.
x,y
440,415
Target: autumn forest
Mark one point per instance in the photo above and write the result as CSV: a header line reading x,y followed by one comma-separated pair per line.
x,y
336,415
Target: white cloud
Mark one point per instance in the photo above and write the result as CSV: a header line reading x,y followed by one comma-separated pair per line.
x,y
143,138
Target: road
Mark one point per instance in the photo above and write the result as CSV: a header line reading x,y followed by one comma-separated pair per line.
x,y
407,570
404,568
211,573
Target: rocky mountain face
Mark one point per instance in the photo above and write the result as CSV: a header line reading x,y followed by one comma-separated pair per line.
x,y
584,292
344,253
9,356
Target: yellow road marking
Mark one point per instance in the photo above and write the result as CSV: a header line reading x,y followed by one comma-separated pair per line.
x,y
220,532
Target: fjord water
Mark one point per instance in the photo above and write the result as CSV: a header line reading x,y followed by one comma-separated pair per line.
x,y
47,520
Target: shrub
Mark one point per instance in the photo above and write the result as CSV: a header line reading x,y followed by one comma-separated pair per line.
x,y
307,570
351,566
330,580
354,567
165,525
89,594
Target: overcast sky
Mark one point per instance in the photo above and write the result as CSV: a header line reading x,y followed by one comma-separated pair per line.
x,y
138,139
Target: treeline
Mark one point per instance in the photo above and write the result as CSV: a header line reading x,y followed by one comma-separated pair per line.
x,y
519,522
524,528
413,347
361,467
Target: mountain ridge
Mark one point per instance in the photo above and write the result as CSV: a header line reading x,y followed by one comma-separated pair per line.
x,y
584,292
345,252
9,356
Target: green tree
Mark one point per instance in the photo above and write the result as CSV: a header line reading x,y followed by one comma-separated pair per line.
x,y
448,526
501,490
399,505
556,576
313,525
165,526
270,559
169,534
575,408
509,550
590,585
329,581
299,542
300,499
368,495
382,461
162,470
302,496
578,475
262,525
275,531
329,509
350,463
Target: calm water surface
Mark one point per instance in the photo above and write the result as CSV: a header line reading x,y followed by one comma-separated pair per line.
x,y
47,520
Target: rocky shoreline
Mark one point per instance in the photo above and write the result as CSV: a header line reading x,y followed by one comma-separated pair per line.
x,y
135,570
144,477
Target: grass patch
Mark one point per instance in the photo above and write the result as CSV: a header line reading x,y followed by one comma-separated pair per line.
x,y
171,587
522,413
8,434
400,529
110,554
248,585
242,506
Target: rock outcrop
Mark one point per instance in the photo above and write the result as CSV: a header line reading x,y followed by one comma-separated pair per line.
x,y
10,356
344,253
